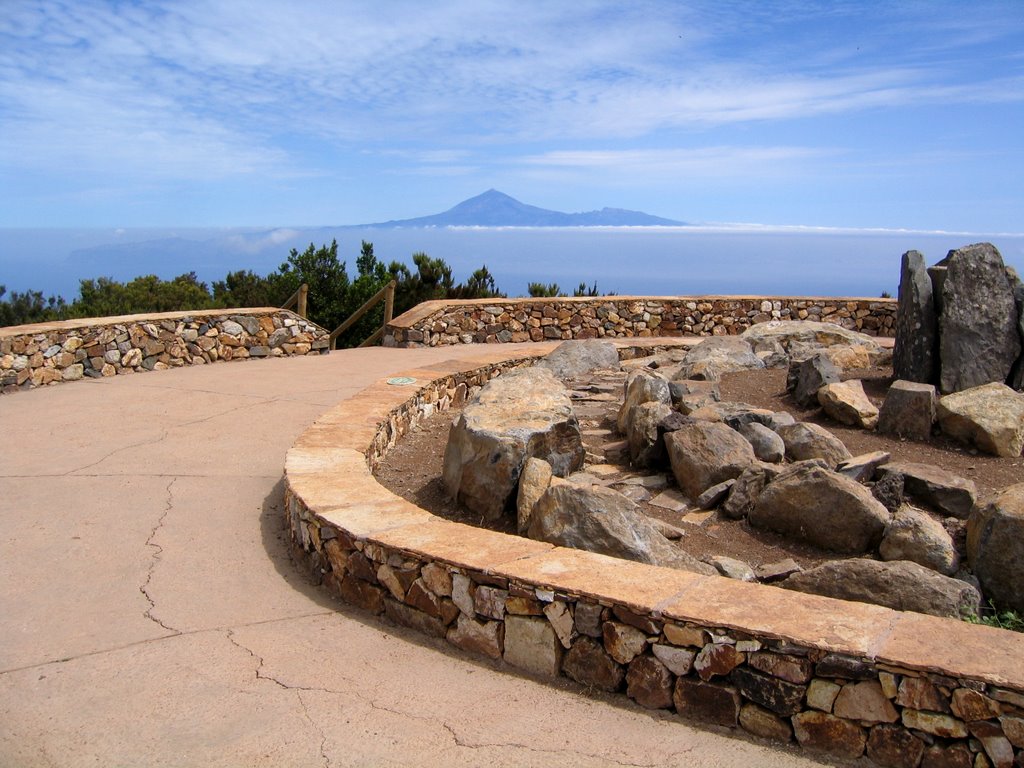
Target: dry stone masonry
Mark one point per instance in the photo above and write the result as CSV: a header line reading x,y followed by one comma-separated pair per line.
x,y
848,679
48,353
517,320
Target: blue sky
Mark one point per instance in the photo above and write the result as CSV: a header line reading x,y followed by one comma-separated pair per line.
x,y
240,112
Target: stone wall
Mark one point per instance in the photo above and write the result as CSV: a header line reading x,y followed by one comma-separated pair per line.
x,y
48,353
845,678
516,320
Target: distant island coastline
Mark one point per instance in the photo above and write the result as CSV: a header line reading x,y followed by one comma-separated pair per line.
x,y
496,209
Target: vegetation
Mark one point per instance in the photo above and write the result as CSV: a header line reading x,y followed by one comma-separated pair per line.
x,y
991,616
552,290
334,294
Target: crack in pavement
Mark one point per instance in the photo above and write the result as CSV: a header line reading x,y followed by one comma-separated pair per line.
x,y
144,589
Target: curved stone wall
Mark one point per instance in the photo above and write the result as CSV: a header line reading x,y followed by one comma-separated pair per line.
x,y
492,321
847,678
48,353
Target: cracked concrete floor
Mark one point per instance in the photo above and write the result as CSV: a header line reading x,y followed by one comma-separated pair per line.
x,y
149,614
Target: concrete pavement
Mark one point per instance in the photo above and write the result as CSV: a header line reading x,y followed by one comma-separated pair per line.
x,y
151,614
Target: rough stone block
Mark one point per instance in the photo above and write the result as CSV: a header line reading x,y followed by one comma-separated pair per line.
x,y
827,733
908,410
780,697
767,725
407,616
892,747
944,726
588,663
709,702
531,644
483,637
793,669
622,641
717,659
865,703
361,594
821,694
649,683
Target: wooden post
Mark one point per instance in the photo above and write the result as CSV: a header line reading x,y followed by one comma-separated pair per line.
x,y
303,295
389,303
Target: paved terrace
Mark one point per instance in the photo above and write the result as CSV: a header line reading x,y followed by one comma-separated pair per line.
x,y
151,614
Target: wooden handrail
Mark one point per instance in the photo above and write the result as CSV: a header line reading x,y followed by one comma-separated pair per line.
x,y
298,300
387,294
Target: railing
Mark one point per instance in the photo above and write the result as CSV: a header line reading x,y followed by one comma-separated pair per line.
x,y
387,294
298,300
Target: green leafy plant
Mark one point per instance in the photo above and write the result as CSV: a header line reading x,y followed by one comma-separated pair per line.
x,y
991,616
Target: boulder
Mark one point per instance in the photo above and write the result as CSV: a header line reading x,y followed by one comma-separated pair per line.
x,y
694,391
847,403
914,535
533,482
990,416
599,519
978,336
846,357
717,355
821,508
578,357
513,417
927,484
900,585
809,441
908,410
703,454
788,332
995,547
642,386
806,377
646,447
767,444
732,568
917,326
745,492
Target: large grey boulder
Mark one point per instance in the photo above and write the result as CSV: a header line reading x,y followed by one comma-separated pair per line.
x,y
847,403
717,355
806,377
990,416
578,357
914,535
949,494
515,416
599,519
767,444
908,410
705,453
917,327
979,340
995,547
809,441
642,386
821,508
900,585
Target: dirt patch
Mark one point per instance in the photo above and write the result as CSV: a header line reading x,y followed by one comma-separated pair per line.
x,y
413,468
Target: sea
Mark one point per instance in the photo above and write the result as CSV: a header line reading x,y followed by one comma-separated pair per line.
x,y
651,261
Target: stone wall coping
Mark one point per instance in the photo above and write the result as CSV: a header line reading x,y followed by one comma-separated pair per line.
x,y
328,470
99,322
425,309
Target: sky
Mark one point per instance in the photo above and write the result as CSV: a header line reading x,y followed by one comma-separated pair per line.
x,y
222,113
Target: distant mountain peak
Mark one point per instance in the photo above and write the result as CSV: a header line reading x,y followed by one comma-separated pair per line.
x,y
494,208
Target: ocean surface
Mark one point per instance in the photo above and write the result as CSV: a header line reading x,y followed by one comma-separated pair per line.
x,y
661,261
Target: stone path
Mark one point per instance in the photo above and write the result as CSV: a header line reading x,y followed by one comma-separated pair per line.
x,y
150,615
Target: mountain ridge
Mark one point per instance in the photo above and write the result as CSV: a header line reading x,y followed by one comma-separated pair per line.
x,y
497,209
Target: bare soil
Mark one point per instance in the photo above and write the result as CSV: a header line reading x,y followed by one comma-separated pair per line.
x,y
413,468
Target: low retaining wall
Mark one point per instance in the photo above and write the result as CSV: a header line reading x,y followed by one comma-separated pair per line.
x,y
48,353
492,321
845,678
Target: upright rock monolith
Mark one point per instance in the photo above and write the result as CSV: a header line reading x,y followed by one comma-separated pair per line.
x,y
917,327
979,339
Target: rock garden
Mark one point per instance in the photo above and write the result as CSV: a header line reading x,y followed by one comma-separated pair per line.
x,y
797,454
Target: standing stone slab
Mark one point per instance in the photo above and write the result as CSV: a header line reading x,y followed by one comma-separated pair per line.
x,y
1017,374
914,356
978,337
531,644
